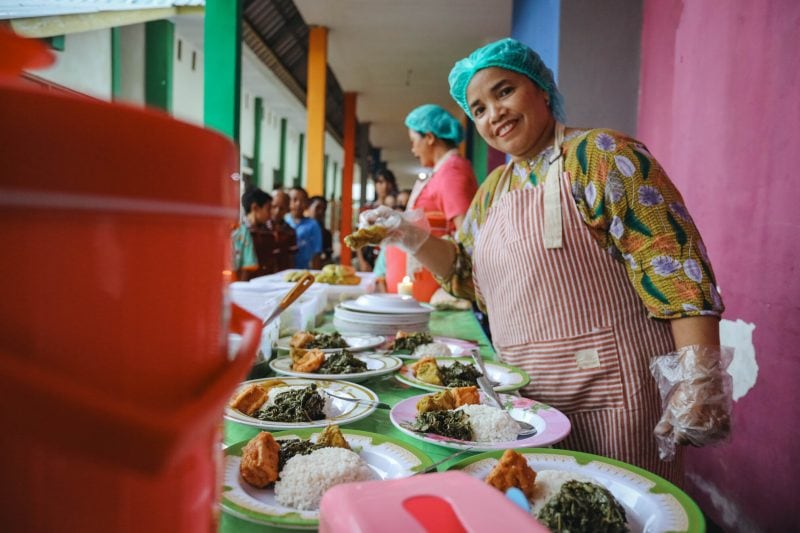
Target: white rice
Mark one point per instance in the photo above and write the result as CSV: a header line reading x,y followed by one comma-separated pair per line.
x,y
490,424
274,391
434,349
548,484
305,478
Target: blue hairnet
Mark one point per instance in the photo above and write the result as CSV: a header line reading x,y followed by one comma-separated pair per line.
x,y
430,118
508,54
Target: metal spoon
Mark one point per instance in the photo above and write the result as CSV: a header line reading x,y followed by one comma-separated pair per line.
x,y
525,429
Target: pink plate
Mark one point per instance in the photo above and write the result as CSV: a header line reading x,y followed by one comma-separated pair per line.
x,y
551,424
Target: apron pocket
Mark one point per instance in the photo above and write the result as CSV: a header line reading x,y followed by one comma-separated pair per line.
x,y
580,373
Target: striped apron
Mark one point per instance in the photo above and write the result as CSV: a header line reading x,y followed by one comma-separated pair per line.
x,y
567,314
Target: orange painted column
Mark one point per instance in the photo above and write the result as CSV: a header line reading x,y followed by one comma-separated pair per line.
x,y
315,109
347,173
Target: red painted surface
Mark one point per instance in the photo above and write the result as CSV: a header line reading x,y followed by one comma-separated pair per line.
x,y
720,109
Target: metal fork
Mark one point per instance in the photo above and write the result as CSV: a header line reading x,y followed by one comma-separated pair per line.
x,y
379,405
434,466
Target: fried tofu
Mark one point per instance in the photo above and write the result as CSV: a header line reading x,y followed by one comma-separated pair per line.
x,y
441,401
364,236
300,339
466,395
513,471
259,466
427,371
310,362
333,438
250,400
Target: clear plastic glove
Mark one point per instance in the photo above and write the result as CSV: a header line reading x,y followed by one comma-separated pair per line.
x,y
696,395
407,229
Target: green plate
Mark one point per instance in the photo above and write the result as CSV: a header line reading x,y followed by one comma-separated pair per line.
x,y
390,458
652,504
507,378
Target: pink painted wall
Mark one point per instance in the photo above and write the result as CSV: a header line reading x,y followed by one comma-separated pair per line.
x,y
720,109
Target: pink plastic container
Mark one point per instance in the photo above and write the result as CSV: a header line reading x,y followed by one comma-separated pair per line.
x,y
449,502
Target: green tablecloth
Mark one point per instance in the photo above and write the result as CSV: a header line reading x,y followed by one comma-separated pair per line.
x,y
457,324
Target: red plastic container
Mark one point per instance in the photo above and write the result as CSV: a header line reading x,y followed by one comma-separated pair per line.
x,y
114,227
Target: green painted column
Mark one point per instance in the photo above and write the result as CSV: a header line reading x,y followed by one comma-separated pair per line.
x,y
479,156
116,64
222,65
298,181
282,155
159,37
334,189
259,118
325,176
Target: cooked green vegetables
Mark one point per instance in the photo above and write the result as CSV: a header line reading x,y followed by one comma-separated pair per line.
x,y
326,340
459,375
411,342
453,424
298,405
291,447
342,362
583,507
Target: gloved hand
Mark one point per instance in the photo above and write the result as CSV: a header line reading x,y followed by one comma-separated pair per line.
x,y
407,229
696,396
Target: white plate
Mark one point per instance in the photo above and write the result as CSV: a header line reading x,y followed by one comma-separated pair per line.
x,y
652,504
355,343
551,424
341,411
507,378
377,365
388,458
388,304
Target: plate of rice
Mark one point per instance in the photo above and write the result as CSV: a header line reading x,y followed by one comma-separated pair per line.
x,y
293,501
354,343
491,427
377,365
651,503
506,378
334,411
439,347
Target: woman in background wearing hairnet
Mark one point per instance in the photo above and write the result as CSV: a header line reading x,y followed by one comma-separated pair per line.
x,y
590,267
434,135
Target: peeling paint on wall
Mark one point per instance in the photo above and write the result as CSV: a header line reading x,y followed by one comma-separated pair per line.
x,y
743,368
728,510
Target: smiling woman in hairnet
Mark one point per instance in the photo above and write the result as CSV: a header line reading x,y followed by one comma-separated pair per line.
x,y
593,273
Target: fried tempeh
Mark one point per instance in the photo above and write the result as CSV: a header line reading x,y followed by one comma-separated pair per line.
x,y
260,456
250,399
512,471
300,339
441,401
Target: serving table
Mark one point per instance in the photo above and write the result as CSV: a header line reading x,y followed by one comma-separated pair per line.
x,y
456,324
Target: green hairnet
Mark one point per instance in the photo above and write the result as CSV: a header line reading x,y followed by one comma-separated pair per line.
x,y
430,118
508,54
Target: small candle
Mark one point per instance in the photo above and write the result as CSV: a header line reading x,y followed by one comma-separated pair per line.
x,y
405,287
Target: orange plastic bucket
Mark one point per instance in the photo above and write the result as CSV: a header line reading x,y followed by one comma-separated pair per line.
x,y
114,228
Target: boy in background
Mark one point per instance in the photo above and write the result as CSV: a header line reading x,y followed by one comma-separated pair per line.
x,y
309,235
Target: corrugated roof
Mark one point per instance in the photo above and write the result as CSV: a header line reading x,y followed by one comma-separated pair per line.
x,y
14,9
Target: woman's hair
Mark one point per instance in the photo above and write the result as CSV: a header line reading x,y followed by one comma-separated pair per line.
x,y
511,55
254,194
437,121
388,176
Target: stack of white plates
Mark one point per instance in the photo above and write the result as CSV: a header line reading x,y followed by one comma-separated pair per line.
x,y
381,314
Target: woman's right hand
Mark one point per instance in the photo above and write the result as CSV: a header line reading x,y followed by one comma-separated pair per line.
x,y
407,229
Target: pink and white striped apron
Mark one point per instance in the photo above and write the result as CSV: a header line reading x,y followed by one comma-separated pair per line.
x,y
570,318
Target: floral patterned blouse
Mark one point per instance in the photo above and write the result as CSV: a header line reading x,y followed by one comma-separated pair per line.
x,y
632,210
